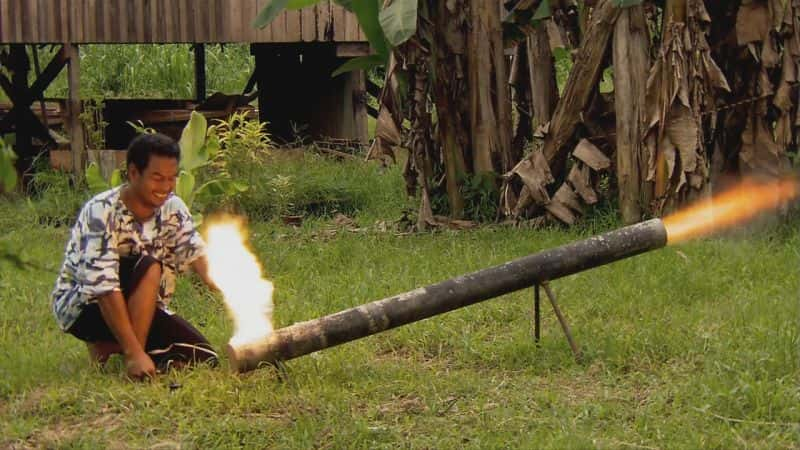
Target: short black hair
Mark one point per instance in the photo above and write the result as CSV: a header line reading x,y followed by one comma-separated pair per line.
x,y
144,145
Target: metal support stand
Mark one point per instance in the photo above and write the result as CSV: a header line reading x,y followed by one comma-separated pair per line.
x,y
561,319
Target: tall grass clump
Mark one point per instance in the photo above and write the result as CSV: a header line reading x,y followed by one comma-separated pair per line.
x,y
54,199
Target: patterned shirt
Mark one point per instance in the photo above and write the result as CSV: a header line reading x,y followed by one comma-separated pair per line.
x,y
107,230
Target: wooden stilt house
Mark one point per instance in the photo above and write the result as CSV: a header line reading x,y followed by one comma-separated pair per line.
x,y
294,57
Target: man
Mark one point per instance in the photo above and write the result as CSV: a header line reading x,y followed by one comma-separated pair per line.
x,y
120,265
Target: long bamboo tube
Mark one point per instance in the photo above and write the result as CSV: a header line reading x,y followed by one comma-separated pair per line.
x,y
355,323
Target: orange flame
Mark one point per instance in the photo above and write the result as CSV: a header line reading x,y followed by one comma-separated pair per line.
x,y
237,273
735,206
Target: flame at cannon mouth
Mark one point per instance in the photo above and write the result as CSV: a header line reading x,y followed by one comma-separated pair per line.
x,y
735,206
237,273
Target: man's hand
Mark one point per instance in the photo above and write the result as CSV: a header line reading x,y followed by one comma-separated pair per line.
x,y
114,311
140,366
200,267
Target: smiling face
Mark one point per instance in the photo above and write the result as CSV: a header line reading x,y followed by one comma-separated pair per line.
x,y
156,182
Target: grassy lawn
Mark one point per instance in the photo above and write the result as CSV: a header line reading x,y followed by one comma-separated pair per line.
x,y
691,346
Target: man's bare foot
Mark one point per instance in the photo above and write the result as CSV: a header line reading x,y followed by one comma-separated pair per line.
x,y
100,351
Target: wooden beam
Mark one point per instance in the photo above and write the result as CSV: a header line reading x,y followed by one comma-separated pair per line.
x,y
74,127
359,111
48,74
372,111
5,84
352,49
200,72
373,89
251,83
20,66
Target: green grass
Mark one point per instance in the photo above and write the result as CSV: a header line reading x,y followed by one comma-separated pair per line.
x,y
685,347
151,71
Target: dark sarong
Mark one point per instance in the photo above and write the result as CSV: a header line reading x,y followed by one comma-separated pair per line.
x,y
171,338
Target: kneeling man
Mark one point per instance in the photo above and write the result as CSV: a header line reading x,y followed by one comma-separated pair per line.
x,y
120,264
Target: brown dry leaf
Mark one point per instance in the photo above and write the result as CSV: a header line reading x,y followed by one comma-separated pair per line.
x,y
554,32
560,212
651,148
386,128
458,224
425,217
760,154
535,173
524,201
343,221
683,132
752,22
670,156
591,155
778,9
783,131
769,54
566,196
782,99
542,130
715,75
764,83
509,199
580,179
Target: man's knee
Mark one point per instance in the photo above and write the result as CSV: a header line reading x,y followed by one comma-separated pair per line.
x,y
153,272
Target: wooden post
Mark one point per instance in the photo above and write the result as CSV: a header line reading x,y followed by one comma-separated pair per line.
x,y
200,72
20,66
631,65
73,123
303,93
358,83
281,93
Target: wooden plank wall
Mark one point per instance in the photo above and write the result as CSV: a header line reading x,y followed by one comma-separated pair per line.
x,y
165,21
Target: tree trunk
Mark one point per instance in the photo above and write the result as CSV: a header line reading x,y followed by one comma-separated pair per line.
x,y
581,84
631,64
490,113
683,85
522,100
541,65
674,11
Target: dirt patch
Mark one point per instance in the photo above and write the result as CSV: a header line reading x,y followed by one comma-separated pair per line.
x,y
401,405
63,432
28,403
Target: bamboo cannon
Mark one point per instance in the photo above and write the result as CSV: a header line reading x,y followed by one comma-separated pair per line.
x,y
355,323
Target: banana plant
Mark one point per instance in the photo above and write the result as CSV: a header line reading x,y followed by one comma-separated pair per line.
x,y
96,182
385,28
199,145
8,173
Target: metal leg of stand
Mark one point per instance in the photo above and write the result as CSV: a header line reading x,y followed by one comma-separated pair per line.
x,y
564,325
537,317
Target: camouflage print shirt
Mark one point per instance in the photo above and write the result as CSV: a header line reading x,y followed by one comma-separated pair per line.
x,y
105,231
